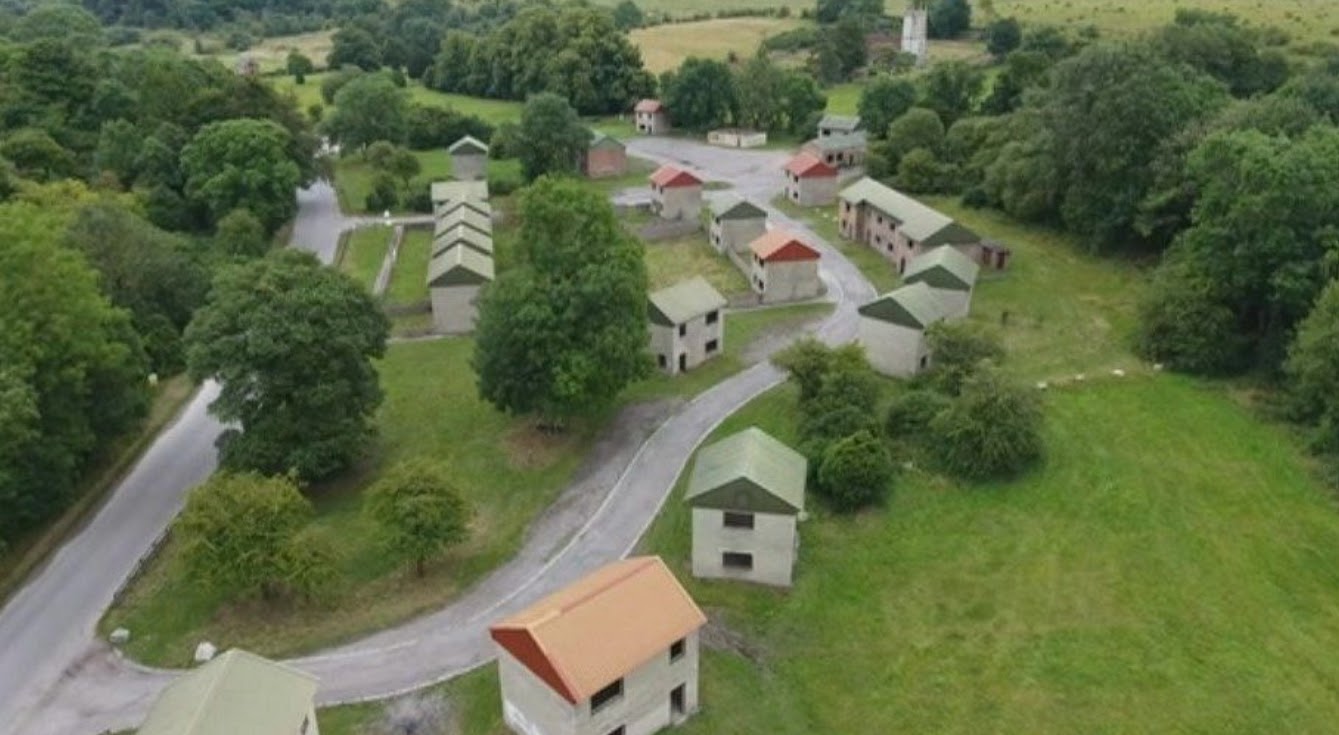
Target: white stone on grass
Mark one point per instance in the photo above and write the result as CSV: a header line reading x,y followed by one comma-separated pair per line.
x,y
205,652
119,637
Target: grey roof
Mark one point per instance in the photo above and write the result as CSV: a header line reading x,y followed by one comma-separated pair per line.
x,y
468,145
459,266
842,123
445,191
684,301
926,226
944,267
749,471
841,141
731,206
600,140
237,692
441,209
463,216
913,306
462,235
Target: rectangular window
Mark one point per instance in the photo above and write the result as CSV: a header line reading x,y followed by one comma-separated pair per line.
x,y
677,649
662,360
713,317
737,560
683,329
712,346
604,697
738,520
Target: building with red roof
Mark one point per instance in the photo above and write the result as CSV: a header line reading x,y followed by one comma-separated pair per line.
x,y
651,117
810,182
784,268
676,193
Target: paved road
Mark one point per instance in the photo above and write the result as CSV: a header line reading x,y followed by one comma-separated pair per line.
x,y
598,520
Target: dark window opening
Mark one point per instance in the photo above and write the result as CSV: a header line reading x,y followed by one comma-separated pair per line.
x,y
712,346
713,317
902,266
738,520
677,649
677,700
662,360
683,362
736,560
925,360
618,731
683,329
611,693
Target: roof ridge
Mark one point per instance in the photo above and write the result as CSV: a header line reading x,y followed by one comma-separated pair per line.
x,y
593,593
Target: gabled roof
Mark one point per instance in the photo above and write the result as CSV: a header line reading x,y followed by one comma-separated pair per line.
x,y
944,267
601,628
448,191
684,301
468,145
459,266
441,209
808,166
671,177
926,226
237,692
779,245
462,235
600,140
840,141
749,471
842,123
463,216
730,206
648,106
913,306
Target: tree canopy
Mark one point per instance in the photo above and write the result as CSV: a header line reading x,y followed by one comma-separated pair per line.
x,y
551,137
418,512
702,93
367,109
242,164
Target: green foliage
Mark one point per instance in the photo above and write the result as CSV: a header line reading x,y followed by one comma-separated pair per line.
x,y
921,172
119,147
992,430
354,46
777,100
384,195
951,89
856,472
551,138
883,100
961,349
702,93
429,127
1022,71
841,50
367,109
1186,325
36,155
240,233
830,11
242,164
918,128
299,66
291,343
950,18
1216,44
1003,36
418,512
808,361
628,16
1312,370
242,535
909,415
563,331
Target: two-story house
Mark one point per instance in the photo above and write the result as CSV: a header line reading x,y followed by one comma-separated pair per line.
x,y
950,275
892,329
735,223
783,268
651,117
809,181
675,193
687,326
897,226
469,159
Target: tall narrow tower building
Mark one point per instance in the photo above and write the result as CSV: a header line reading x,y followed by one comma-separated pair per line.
x,y
915,31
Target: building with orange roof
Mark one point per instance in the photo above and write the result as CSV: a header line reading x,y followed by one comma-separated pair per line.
x,y
676,193
651,117
810,182
615,653
783,268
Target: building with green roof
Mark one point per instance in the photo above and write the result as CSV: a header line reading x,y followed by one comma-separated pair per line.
x,y
839,150
735,222
455,277
687,326
897,226
235,693
466,216
747,492
830,125
892,329
462,235
469,159
949,274
446,192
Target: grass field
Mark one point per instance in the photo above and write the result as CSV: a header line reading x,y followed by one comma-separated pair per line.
x,y
1309,20
271,54
354,176
666,46
672,261
363,251
409,277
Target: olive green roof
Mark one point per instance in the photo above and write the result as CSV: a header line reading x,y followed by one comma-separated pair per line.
x,y
749,471
468,145
730,206
845,123
841,141
684,301
944,267
463,216
913,306
450,191
237,692
459,266
441,209
462,235
600,140
928,227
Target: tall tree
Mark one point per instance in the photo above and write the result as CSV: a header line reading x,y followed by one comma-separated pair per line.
x,y
564,331
883,100
950,18
367,109
242,164
354,46
951,89
551,136
418,512
291,342
991,431
701,93
1003,36
628,16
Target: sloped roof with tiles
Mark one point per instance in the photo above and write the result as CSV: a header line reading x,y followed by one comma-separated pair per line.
x,y
597,630
750,471
928,227
841,141
809,166
777,246
459,266
671,177
913,306
462,235
730,206
466,216
683,301
451,191
843,123
648,106
237,692
943,267
468,145
600,140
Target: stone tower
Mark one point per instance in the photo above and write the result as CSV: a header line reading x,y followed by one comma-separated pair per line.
x,y
915,31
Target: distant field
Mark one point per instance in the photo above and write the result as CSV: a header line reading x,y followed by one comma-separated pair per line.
x,y
1304,19
272,53
681,8
666,46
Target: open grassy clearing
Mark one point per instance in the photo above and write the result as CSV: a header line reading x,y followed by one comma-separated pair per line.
x,y
354,176
271,54
409,277
682,8
844,99
1307,20
362,253
666,46
671,261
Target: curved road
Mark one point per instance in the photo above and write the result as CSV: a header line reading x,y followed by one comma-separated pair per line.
x,y
85,689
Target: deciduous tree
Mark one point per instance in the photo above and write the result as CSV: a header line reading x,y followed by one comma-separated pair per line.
x,y
551,137
242,164
367,109
701,93
418,511
883,100
855,472
992,430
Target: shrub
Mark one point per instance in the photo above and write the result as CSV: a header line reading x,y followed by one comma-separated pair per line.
x,y
504,183
910,414
1183,324
384,194
960,349
855,472
418,512
991,431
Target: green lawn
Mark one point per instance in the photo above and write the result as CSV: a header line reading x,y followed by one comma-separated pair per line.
x,y
409,278
670,261
1304,20
354,176
664,47
844,99
362,253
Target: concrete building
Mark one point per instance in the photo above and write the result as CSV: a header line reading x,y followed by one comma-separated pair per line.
x,y
463,216
839,150
687,326
462,235
675,193
783,268
448,206
615,653
746,492
651,117
831,125
950,275
735,223
897,226
447,192
469,159
455,277
892,329
237,692
605,157
810,182
916,31
737,138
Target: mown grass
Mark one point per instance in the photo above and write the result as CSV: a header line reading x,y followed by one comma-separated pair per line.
x,y
474,701
354,176
665,47
671,261
362,253
409,277
1304,20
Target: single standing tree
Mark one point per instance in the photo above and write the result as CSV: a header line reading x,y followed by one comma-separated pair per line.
x,y
1003,36
551,136
951,90
369,108
884,100
961,349
855,472
950,18
243,164
354,46
701,93
565,330
291,342
299,66
418,512
628,16
240,233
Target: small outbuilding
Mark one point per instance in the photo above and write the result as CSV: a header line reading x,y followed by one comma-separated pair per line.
x,y
892,329
604,157
237,692
831,125
687,327
949,274
675,193
464,216
462,235
455,277
469,159
615,653
735,223
783,268
839,150
747,492
651,117
810,182
448,192
737,138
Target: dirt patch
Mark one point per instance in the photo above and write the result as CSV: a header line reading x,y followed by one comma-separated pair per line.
x,y
528,448
717,636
